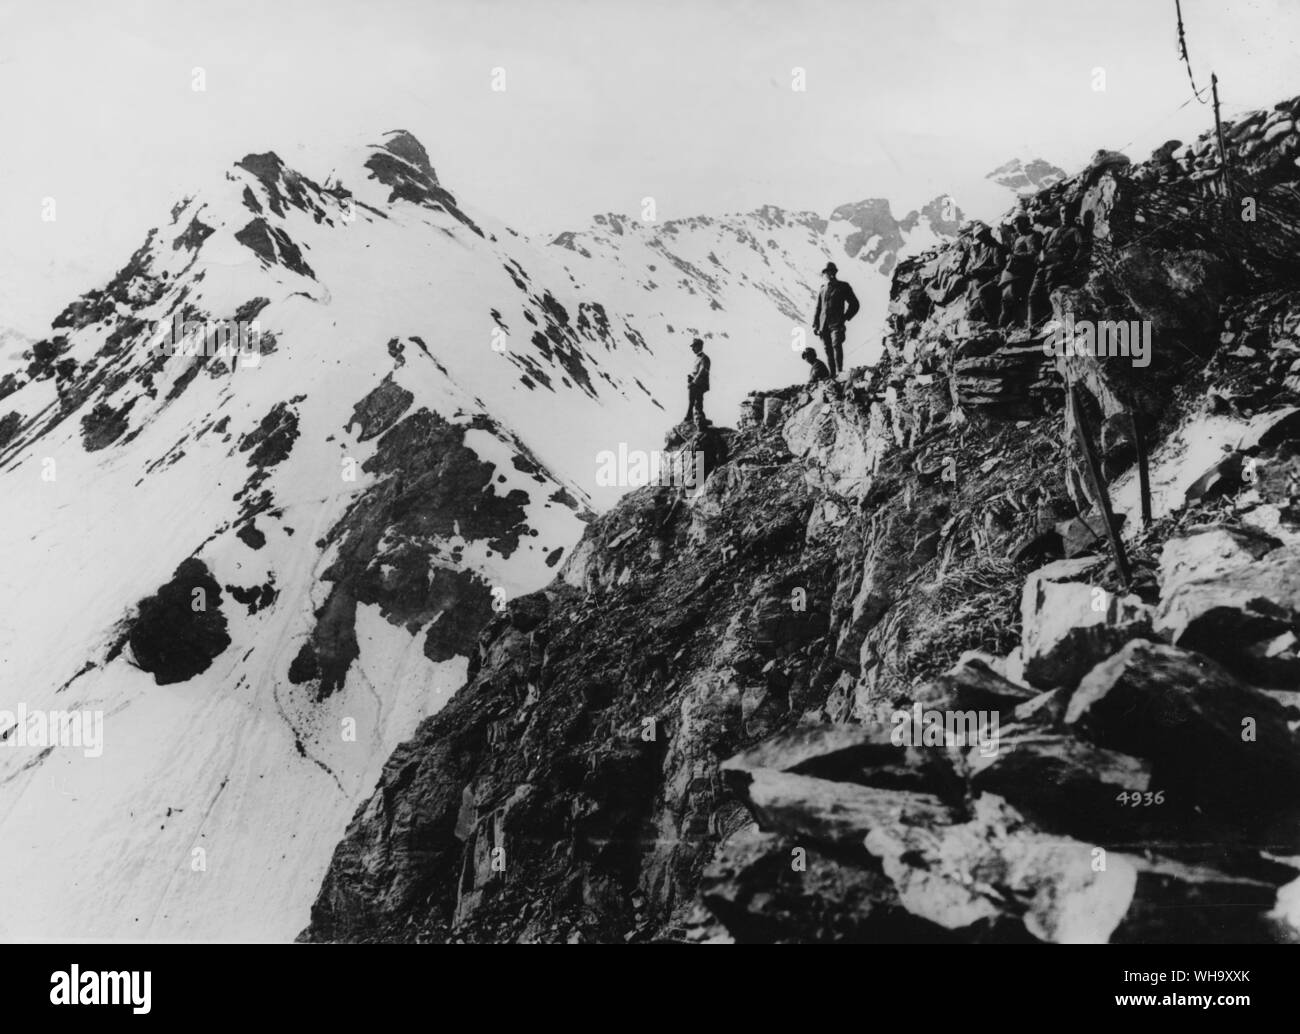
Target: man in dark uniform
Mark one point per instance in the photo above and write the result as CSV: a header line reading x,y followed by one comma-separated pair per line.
x,y
816,368
1061,259
983,292
1019,271
836,305
697,383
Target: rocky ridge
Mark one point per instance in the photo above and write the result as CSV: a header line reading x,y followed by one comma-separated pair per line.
x,y
693,734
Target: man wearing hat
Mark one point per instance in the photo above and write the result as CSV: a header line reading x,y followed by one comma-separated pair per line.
x,y
697,383
1062,258
836,305
816,368
983,265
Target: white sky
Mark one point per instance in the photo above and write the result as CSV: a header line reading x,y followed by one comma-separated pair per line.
x,y
606,102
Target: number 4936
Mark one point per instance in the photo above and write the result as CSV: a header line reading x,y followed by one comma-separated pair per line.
x,y
1137,798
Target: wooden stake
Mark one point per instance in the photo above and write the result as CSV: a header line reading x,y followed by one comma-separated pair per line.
x,y
1099,490
1218,129
1144,473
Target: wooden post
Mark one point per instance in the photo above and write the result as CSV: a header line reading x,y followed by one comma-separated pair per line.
x,y
1099,490
1218,129
1144,474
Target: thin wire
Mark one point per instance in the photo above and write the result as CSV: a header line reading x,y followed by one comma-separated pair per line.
x,y
1160,121
1182,51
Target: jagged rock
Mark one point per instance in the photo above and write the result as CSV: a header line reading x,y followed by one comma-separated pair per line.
x,y
826,521
713,509
1045,711
841,446
1081,535
1270,428
831,813
973,685
380,409
889,556
1222,477
763,707
1068,626
1214,738
1038,548
685,442
1235,615
1060,782
1176,902
1278,129
908,559
180,630
780,628
9,425
751,411
771,889
995,868
527,612
851,754
103,425
1286,913
1003,379
1209,550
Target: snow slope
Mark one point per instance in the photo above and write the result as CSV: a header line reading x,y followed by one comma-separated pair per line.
x,y
748,283
367,536
265,569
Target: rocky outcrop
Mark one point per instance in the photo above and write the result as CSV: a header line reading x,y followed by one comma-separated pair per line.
x,y
880,677
1027,178
177,632
1248,616
1070,624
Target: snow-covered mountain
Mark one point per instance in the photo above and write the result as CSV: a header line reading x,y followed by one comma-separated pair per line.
x,y
747,283
1025,177
265,566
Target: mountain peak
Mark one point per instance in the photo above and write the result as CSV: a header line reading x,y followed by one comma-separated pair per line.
x,y
1026,177
402,164
403,144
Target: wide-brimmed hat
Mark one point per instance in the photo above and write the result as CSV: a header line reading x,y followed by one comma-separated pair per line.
x,y
830,268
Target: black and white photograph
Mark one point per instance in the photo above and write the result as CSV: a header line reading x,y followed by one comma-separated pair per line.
x,y
647,472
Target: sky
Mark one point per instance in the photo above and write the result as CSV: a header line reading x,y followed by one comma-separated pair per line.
x,y
691,102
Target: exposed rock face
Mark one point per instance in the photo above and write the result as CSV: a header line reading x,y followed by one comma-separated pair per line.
x,y
843,446
1210,551
1070,625
878,235
849,689
993,870
435,486
1027,178
1249,615
403,165
178,631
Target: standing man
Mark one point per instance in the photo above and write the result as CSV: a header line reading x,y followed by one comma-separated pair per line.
x,y
984,293
1062,256
697,383
836,305
1019,271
